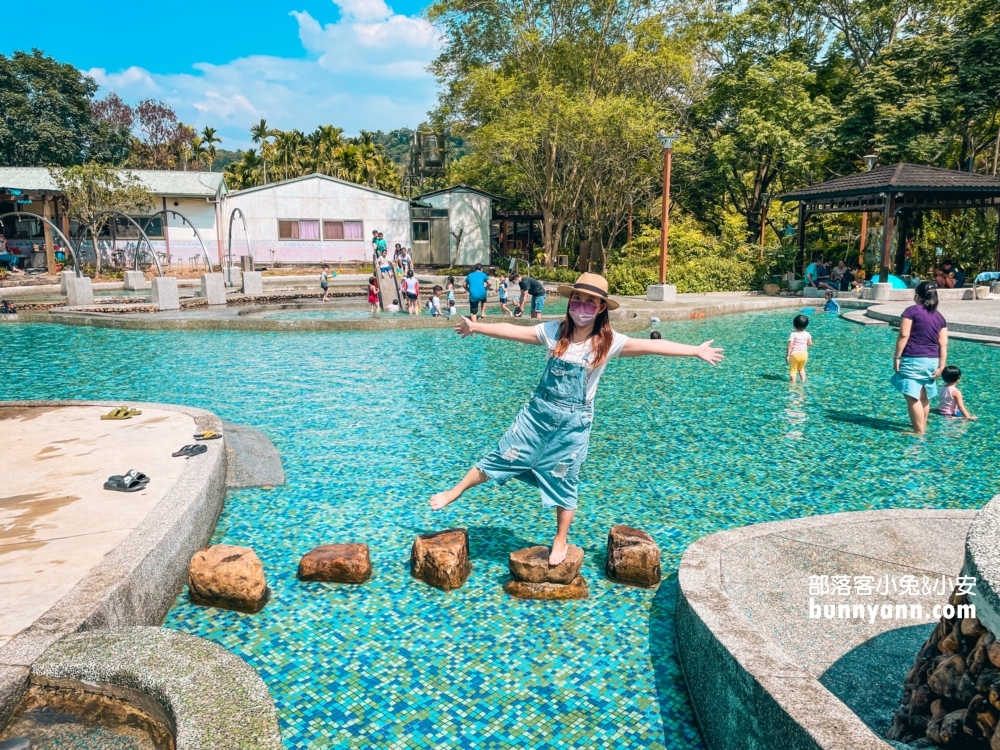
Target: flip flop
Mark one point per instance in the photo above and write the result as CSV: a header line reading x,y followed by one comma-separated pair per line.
x,y
132,412
133,481
189,451
207,435
120,413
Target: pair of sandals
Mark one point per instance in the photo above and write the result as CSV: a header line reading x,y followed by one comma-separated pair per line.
x,y
133,481
122,412
190,451
208,435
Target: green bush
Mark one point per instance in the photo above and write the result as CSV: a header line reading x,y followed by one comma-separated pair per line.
x,y
560,275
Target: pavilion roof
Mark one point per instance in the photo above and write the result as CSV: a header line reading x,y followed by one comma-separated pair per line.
x,y
900,178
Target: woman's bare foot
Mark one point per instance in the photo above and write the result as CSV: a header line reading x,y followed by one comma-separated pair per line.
x,y
441,499
557,552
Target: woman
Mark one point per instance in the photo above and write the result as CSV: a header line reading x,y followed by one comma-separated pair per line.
x,y
921,353
547,444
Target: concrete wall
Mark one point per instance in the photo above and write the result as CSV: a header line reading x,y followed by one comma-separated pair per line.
x,y
318,198
469,213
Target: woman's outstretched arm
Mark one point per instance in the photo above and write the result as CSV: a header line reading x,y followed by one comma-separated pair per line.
x,y
642,347
505,331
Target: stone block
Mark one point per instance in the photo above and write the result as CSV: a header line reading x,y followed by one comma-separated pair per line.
x,y
228,577
633,557
232,275
213,288
135,280
165,294
881,291
253,283
65,276
79,291
577,589
441,559
337,563
531,565
661,293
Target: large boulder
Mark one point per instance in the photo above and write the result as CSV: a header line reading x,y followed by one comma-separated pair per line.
x,y
633,557
576,589
531,565
337,563
441,558
229,577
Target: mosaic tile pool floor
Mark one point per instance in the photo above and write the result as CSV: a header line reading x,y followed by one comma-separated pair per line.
x,y
678,449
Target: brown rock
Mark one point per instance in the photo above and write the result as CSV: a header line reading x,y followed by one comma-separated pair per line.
x,y
995,742
948,730
949,680
971,627
441,559
986,679
229,577
337,563
577,589
920,701
633,557
948,644
994,695
937,708
531,565
993,652
981,720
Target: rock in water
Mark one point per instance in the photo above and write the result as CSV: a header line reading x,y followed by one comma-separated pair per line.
x,y
576,589
441,559
229,577
633,557
531,565
337,563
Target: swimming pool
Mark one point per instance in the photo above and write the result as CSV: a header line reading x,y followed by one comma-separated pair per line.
x,y
678,449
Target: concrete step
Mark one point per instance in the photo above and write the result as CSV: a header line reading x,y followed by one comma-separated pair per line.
x,y
860,317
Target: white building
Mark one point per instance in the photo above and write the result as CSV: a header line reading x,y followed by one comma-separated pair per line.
x,y
315,219
196,195
468,224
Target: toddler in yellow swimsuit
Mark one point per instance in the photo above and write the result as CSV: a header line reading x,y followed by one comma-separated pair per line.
x,y
797,353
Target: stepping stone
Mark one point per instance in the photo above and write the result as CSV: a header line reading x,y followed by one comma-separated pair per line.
x,y
633,557
228,577
531,565
337,563
577,589
441,559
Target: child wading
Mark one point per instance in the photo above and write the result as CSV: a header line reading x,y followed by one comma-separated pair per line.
x,y
951,403
797,353
373,296
547,444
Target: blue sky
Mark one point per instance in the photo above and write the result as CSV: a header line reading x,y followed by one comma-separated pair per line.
x,y
357,64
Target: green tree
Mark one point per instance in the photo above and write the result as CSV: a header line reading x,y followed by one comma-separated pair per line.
x,y
262,134
92,190
208,135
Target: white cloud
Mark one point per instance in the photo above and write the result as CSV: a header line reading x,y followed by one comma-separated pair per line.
x,y
366,71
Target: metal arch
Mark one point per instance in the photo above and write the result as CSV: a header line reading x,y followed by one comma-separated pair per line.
x,y
142,235
229,242
187,221
57,230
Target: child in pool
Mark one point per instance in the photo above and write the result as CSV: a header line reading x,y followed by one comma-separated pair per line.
x,y
797,353
831,305
373,296
950,402
547,444
324,282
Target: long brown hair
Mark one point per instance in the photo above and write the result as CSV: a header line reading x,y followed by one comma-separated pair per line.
x,y
600,339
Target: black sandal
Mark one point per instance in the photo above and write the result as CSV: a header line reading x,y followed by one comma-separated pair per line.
x,y
189,451
133,481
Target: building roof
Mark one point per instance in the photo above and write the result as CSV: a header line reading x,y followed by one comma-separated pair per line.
x,y
317,176
457,188
157,181
901,178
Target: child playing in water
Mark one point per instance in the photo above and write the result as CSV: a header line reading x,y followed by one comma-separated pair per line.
x,y
451,308
547,444
434,303
324,282
797,353
373,296
831,305
502,286
951,403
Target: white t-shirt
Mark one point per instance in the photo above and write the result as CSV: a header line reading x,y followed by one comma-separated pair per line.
x,y
800,341
548,334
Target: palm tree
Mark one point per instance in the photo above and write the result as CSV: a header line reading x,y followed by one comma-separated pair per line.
x,y
289,147
198,152
246,171
260,134
210,138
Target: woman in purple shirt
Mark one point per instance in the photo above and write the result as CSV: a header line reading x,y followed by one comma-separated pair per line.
x,y
921,354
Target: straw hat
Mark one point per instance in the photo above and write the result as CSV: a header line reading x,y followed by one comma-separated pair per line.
x,y
590,283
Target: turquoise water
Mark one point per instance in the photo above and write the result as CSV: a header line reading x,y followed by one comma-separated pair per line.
x,y
370,424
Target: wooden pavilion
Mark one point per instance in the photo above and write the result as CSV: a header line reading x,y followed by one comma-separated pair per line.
x,y
896,191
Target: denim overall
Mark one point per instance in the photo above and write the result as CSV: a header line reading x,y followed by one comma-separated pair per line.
x,y
547,444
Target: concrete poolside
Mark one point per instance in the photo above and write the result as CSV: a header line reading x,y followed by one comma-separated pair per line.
x,y
56,519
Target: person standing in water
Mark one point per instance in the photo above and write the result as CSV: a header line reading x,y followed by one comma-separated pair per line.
x,y
921,354
547,444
